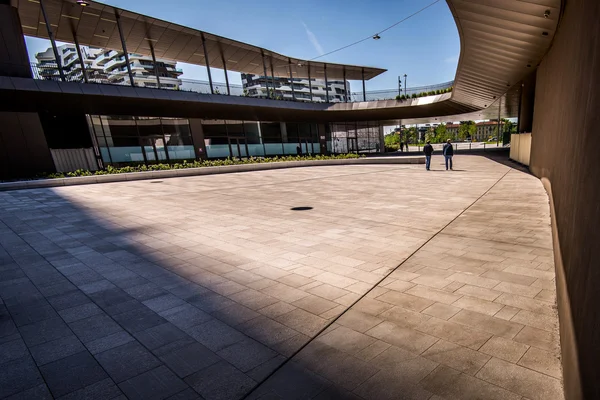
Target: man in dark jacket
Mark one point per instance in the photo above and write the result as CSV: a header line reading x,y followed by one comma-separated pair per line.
x,y
448,153
428,150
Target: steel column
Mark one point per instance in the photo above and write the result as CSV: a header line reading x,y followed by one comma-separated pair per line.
x,y
363,81
265,71
118,17
345,87
83,71
310,83
326,83
225,70
273,77
291,80
212,91
51,36
155,66
499,123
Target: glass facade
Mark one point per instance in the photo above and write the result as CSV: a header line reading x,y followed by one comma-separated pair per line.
x,y
126,139
134,139
355,137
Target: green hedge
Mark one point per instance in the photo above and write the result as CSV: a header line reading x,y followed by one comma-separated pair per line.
x,y
195,164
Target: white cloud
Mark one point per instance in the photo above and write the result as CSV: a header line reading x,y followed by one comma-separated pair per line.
x,y
453,59
313,39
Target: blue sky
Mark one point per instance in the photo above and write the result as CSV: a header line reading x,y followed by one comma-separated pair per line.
x,y
425,47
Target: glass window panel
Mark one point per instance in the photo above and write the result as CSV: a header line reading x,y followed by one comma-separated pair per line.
x,y
104,152
235,128
215,138
252,132
271,132
292,133
119,126
149,126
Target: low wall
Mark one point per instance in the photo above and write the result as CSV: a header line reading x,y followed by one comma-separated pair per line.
x,y
67,160
136,176
520,147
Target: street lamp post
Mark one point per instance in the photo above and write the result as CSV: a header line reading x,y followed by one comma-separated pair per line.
x,y
405,88
399,86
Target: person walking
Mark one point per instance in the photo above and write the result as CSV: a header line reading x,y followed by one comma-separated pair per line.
x,y
448,152
428,150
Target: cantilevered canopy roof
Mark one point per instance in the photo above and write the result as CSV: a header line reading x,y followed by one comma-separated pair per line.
x,y
96,25
501,42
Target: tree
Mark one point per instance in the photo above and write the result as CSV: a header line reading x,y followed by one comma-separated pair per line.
x,y
441,133
391,139
410,135
466,129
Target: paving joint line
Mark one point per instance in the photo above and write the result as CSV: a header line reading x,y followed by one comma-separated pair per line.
x,y
334,320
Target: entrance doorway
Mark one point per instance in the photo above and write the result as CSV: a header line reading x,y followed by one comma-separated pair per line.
x,y
306,146
238,147
154,148
352,145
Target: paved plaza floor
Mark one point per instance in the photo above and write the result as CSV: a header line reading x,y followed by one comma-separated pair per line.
x,y
343,282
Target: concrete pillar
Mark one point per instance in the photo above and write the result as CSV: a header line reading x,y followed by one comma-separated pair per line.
x,y
13,52
526,103
381,139
198,138
283,127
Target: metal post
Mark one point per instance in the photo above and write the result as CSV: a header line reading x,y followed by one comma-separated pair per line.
x,y
499,123
363,81
155,66
310,83
291,79
265,72
225,70
399,86
405,87
345,88
126,54
51,36
326,83
83,71
273,77
212,91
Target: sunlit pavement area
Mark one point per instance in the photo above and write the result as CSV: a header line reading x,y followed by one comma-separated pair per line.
x,y
226,286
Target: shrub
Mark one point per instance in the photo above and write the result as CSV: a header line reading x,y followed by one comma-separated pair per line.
x,y
398,97
196,164
414,96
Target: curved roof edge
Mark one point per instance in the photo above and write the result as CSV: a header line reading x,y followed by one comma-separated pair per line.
x,y
96,25
501,41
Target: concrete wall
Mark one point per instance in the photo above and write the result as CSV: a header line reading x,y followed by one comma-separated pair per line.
x,y
566,154
24,151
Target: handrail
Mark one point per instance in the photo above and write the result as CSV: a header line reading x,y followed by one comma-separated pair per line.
x,y
49,71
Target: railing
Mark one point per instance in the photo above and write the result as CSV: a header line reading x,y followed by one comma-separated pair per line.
x,y
121,77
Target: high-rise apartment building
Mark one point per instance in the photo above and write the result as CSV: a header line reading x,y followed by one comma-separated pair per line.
x,y
281,88
107,66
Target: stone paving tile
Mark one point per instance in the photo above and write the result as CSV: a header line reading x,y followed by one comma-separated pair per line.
x,y
220,381
530,383
127,361
158,383
505,349
56,349
186,357
94,327
72,373
18,375
247,277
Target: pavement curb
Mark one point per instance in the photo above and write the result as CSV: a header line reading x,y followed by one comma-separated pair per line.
x,y
172,173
